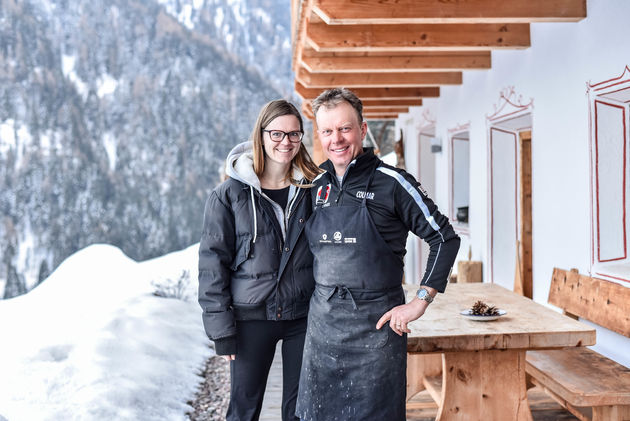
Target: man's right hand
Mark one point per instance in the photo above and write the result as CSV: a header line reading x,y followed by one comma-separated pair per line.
x,y
399,316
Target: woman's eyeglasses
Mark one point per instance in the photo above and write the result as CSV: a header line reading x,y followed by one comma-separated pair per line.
x,y
278,136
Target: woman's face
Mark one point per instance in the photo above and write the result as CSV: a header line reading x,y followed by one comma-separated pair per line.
x,y
284,151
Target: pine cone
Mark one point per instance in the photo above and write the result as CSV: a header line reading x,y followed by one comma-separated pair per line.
x,y
482,309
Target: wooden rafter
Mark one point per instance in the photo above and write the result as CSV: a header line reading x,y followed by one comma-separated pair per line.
x,y
385,110
417,37
371,113
373,106
381,117
367,110
403,50
301,9
307,110
384,80
392,103
375,93
422,61
335,12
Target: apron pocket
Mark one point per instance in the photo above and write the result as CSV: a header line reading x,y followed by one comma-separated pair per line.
x,y
336,322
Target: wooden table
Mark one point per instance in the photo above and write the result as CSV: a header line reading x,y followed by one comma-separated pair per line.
x,y
483,363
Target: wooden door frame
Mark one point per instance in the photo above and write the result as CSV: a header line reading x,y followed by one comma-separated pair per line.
x,y
525,219
523,162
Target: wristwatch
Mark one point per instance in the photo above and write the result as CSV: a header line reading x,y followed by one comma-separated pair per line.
x,y
423,294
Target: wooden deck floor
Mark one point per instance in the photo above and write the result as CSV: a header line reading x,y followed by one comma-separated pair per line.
x,y
543,407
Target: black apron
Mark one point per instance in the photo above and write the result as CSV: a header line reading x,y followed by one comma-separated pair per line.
x,y
351,370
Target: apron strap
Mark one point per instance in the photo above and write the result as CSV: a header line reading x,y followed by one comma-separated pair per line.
x,y
341,291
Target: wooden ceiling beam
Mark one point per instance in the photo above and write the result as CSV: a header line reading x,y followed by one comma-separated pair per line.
x,y
307,111
423,61
409,37
385,110
383,115
300,10
382,80
335,12
368,113
372,106
376,94
391,103
372,117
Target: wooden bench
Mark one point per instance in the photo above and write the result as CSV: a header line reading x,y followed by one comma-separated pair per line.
x,y
589,385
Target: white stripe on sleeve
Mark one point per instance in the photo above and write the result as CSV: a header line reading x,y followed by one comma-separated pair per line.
x,y
415,195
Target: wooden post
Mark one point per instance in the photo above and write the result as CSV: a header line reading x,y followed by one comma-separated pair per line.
x,y
317,153
469,271
525,225
518,276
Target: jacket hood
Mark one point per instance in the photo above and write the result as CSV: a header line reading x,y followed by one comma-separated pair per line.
x,y
239,165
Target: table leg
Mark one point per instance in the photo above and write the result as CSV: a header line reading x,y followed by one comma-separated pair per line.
x,y
484,385
420,366
611,413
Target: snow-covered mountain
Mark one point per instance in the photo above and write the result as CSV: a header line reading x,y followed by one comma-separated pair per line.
x,y
93,342
258,32
115,118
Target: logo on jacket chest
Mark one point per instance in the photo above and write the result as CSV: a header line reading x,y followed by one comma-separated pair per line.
x,y
323,194
365,195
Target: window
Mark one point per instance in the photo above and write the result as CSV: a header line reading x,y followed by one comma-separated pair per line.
x,y
609,110
460,180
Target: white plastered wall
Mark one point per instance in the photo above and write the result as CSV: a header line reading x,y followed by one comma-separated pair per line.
x,y
554,72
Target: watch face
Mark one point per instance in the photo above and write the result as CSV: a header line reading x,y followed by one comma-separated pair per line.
x,y
423,294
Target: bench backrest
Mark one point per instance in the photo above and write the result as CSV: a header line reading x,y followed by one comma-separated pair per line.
x,y
602,302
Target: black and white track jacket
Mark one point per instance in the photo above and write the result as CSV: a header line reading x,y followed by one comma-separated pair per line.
x,y
397,204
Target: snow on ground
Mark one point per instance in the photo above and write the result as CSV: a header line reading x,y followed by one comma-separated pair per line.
x,y
92,342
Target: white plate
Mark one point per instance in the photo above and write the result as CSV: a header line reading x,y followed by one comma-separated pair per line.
x,y
468,314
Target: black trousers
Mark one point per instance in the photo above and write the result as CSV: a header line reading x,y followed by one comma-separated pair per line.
x,y
256,342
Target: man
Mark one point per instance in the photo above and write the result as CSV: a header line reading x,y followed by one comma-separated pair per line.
x,y
353,367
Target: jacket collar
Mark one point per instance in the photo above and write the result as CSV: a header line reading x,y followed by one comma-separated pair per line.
x,y
365,160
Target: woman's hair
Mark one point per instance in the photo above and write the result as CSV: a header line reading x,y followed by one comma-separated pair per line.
x,y
302,160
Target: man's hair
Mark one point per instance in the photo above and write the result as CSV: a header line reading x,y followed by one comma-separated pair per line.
x,y
332,97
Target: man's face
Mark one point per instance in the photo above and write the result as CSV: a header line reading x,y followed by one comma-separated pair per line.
x,y
341,134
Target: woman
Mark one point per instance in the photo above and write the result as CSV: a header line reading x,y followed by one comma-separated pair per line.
x,y
255,267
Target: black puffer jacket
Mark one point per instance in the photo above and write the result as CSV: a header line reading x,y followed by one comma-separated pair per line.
x,y
254,260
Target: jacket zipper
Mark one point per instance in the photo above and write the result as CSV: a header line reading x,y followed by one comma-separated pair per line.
x,y
299,196
342,186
